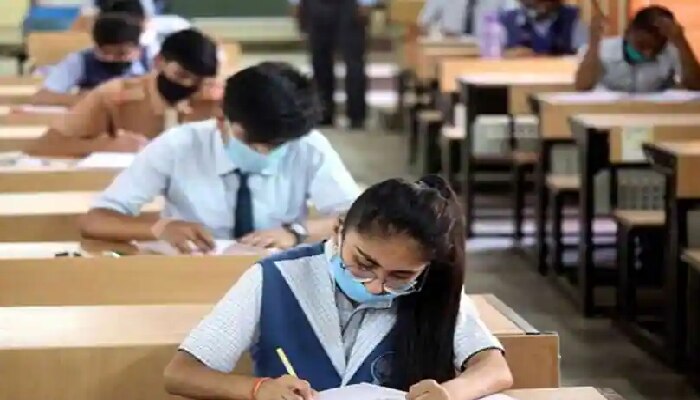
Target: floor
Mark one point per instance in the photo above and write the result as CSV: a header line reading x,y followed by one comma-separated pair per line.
x,y
593,353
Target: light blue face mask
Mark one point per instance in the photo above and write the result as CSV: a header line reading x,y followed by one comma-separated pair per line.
x,y
634,55
355,290
251,161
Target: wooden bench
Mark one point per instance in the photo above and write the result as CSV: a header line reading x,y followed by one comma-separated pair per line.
x,y
561,189
523,164
49,217
692,258
56,178
16,138
428,159
118,352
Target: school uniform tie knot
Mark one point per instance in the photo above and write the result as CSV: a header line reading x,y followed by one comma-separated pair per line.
x,y
243,223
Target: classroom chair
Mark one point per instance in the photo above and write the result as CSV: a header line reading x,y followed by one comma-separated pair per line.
x,y
638,231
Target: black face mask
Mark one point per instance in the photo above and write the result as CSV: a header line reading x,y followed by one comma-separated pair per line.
x,y
173,92
115,68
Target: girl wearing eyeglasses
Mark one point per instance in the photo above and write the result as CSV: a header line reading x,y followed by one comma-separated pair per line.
x,y
381,302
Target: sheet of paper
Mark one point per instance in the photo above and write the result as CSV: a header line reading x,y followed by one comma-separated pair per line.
x,y
365,391
632,139
223,247
668,96
587,97
107,160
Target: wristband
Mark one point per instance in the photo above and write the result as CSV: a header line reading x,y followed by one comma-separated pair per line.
x,y
159,227
256,387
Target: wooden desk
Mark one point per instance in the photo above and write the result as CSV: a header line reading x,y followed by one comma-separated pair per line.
x,y
611,142
16,94
578,393
121,351
431,52
679,162
554,111
16,138
451,69
46,217
496,94
55,178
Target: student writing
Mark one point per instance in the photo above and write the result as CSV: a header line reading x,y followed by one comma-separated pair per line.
x,y
116,53
122,114
543,27
247,175
380,302
653,55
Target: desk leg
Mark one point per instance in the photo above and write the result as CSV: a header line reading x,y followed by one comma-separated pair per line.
x,y
541,170
693,318
468,173
676,284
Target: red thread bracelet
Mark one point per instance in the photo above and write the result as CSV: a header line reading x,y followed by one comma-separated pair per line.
x,y
256,387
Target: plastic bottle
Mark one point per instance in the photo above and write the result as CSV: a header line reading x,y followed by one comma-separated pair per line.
x,y
490,37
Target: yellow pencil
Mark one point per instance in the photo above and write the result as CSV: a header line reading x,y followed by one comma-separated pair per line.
x,y
285,362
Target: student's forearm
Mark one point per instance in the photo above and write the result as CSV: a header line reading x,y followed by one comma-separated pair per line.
x,y
487,373
321,228
187,377
690,74
48,98
103,224
53,144
590,69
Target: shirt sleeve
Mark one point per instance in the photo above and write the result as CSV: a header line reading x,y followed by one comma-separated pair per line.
x,y
65,75
332,189
146,178
579,37
231,328
89,117
471,335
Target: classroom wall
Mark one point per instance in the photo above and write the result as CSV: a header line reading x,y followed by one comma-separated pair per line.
x,y
687,12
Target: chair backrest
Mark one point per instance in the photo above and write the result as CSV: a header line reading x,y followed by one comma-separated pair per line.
x,y
48,48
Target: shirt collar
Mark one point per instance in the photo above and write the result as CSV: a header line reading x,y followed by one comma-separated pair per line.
x,y
224,164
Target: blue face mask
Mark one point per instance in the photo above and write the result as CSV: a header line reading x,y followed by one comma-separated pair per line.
x,y
355,290
634,55
249,160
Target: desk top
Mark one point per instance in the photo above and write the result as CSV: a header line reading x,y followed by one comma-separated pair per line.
x,y
576,393
511,79
54,203
678,149
21,132
692,256
451,69
18,90
26,327
606,121
574,98
447,41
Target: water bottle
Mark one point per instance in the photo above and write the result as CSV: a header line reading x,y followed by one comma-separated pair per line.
x,y
491,37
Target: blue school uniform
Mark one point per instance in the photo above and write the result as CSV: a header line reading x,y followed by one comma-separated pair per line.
x,y
562,34
82,70
290,301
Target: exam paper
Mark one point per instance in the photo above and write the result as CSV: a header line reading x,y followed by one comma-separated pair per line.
x,y
365,391
107,160
223,247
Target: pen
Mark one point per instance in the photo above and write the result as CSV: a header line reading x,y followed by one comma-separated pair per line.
x,y
285,362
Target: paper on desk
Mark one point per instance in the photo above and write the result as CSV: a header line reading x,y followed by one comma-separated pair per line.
x,y
107,160
365,391
587,97
668,96
633,137
223,247
41,109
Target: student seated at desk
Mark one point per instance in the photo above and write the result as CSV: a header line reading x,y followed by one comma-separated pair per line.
x,y
116,53
122,114
155,27
460,17
543,27
379,302
246,175
652,56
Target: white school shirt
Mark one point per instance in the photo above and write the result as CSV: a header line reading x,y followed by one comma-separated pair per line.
x,y
232,327
450,15
189,167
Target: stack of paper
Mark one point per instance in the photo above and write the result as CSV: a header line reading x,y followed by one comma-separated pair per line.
x,y
365,391
107,160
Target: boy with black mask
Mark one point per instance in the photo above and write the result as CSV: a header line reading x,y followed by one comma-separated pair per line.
x,y
123,114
